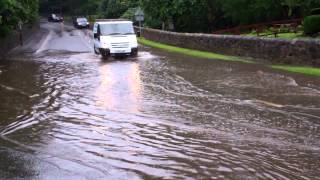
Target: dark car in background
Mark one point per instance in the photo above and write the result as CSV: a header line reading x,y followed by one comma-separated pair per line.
x,y
81,22
55,18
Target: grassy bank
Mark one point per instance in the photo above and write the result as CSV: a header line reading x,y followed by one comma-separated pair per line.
x,y
302,70
208,55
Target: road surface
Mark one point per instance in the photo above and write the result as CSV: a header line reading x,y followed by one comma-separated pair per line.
x,y
67,114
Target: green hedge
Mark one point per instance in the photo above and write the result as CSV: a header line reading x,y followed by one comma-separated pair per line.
x,y
13,11
312,24
4,31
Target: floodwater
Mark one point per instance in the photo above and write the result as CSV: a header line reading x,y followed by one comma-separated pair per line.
x,y
67,114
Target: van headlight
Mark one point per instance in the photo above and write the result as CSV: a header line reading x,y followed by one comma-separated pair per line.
x,y
105,45
134,45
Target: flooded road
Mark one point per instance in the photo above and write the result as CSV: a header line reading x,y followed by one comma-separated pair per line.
x,y
67,114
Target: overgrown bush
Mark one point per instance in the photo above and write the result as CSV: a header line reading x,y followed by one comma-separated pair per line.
x,y
311,24
14,11
129,14
4,31
92,18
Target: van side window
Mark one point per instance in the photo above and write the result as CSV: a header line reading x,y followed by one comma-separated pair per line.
x,y
95,28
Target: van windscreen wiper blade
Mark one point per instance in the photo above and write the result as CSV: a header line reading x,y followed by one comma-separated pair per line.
x,y
114,34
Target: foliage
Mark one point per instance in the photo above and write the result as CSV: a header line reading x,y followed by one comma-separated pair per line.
x,y
209,15
188,15
291,4
4,30
312,24
252,11
116,8
13,11
129,14
312,71
70,7
176,15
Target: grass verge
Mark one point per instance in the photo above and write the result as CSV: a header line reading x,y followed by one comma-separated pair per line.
x,y
208,55
190,52
302,70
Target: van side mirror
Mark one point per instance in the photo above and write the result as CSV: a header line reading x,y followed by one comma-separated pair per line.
x,y
138,33
96,35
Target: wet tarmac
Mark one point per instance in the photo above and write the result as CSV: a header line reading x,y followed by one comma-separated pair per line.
x,y
67,114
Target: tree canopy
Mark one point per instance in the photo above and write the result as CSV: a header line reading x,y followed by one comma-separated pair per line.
x,y
189,15
177,15
13,11
207,15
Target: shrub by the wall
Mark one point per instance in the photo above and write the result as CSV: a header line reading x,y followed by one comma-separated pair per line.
x,y
4,31
312,24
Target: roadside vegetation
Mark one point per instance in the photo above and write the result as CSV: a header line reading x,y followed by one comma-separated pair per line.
x,y
312,24
14,11
302,70
211,15
204,16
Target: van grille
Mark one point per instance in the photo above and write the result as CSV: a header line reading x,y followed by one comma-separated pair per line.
x,y
120,45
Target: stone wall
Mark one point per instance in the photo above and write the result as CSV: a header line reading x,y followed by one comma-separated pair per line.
x,y
295,52
10,42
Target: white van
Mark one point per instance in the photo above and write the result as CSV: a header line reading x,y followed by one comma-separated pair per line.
x,y
114,38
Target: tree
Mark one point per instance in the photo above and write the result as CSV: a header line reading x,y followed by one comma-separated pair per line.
x,y
158,10
13,11
291,4
178,15
252,11
187,15
116,8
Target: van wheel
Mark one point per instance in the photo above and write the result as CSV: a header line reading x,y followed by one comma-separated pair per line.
x,y
105,57
95,50
135,54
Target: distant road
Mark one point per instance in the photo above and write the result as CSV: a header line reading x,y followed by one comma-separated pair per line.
x,y
58,37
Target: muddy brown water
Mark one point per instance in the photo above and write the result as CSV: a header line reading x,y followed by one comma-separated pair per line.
x,y
74,116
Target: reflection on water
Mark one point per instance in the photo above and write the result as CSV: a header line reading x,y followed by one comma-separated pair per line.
x,y
120,86
75,117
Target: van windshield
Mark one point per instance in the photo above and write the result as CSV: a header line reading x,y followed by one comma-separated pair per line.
x,y
116,29
82,20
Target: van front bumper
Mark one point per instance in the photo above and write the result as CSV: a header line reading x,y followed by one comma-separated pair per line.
x,y
107,52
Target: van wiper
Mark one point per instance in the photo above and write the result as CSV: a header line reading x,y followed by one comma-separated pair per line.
x,y
114,34
128,33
